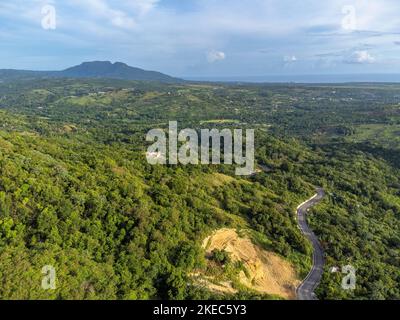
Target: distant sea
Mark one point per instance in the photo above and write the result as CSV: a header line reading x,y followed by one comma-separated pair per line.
x,y
332,78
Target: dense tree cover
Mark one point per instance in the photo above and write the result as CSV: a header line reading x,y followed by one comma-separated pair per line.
x,y
220,256
359,223
76,191
112,225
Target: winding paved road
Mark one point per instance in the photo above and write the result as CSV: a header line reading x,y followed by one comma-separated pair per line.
x,y
305,291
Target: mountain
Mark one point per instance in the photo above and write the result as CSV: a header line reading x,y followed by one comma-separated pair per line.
x,y
117,70
95,69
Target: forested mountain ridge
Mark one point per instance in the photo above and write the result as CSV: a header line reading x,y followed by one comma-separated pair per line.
x,y
76,191
117,70
94,69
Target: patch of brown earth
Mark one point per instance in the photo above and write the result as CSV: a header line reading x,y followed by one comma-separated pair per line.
x,y
267,272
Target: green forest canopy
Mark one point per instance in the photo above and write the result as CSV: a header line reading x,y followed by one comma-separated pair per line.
x,y
77,193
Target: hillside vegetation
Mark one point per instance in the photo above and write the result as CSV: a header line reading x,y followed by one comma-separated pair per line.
x,y
77,193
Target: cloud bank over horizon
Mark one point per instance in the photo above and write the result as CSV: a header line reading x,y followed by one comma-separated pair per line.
x,y
206,37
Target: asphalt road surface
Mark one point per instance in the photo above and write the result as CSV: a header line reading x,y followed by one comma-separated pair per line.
x,y
305,291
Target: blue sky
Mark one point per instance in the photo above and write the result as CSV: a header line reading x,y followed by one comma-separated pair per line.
x,y
221,38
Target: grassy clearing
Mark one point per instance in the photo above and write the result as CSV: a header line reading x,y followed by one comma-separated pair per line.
x,y
385,135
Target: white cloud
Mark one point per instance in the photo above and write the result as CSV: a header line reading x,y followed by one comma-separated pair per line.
x,y
123,16
360,57
214,56
122,21
175,38
289,59
142,7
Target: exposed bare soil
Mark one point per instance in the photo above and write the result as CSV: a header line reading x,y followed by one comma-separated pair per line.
x,y
267,272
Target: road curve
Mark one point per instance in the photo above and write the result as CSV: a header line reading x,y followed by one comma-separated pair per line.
x,y
305,291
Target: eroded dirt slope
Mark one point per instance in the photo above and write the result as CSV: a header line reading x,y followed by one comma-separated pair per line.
x,y
266,272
